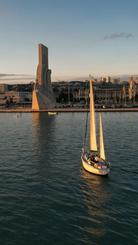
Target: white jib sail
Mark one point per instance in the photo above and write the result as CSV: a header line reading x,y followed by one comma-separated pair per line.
x,y
93,143
102,153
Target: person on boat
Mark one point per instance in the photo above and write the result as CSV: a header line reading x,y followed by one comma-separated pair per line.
x,y
96,159
92,157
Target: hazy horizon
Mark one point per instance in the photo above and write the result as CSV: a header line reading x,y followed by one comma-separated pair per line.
x,y
26,78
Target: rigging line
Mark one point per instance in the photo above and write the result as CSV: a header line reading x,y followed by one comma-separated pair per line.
x,y
85,132
86,126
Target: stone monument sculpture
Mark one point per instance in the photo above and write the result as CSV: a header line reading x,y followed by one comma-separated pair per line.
x,y
43,96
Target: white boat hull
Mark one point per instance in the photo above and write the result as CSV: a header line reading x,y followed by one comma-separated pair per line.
x,y
92,169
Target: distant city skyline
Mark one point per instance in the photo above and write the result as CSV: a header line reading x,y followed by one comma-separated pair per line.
x,y
22,78
83,37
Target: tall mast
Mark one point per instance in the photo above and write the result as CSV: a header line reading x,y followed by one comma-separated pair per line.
x,y
93,143
102,153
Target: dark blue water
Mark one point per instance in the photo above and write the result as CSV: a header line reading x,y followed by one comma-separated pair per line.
x,y
45,195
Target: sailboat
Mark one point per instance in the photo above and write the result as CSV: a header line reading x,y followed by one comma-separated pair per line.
x,y
94,161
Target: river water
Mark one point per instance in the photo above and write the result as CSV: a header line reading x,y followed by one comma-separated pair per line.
x,y
45,195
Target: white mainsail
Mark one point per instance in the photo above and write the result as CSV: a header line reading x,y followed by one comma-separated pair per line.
x,y
93,143
102,153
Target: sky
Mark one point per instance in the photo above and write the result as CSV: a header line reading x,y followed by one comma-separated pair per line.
x,y
98,37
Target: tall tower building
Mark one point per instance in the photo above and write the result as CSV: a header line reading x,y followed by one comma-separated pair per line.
x,y
43,97
132,89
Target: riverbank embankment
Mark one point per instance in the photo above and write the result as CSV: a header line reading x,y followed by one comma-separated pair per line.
x,y
29,110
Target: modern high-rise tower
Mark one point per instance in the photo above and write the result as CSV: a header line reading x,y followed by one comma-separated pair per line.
x,y
43,97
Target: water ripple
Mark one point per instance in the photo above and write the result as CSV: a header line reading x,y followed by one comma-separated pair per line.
x,y
45,195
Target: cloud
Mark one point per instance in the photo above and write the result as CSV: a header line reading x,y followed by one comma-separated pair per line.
x,y
3,75
117,35
16,78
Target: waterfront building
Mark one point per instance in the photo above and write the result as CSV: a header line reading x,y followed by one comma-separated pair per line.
x,y
132,89
3,88
106,94
16,95
115,80
74,94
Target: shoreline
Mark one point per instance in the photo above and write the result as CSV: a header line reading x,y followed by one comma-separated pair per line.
x,y
29,110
